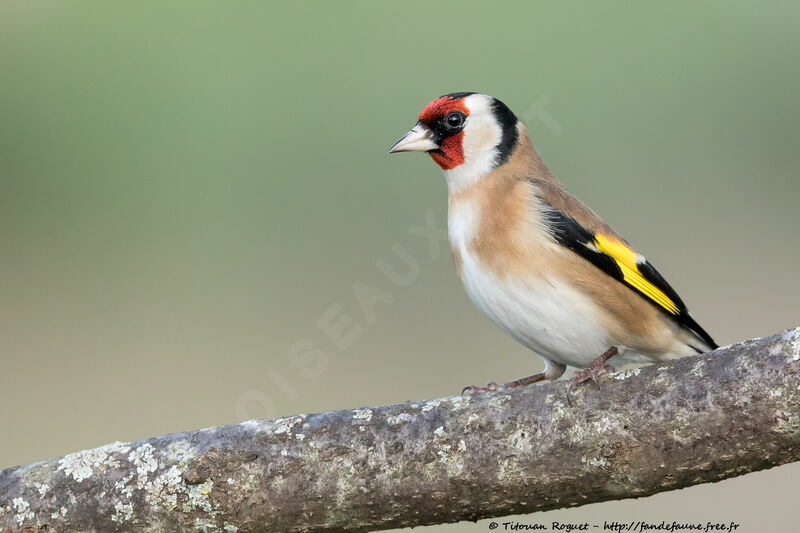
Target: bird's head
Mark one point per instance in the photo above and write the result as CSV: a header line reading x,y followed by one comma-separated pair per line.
x,y
467,134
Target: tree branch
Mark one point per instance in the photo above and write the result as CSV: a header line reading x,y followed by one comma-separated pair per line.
x,y
648,430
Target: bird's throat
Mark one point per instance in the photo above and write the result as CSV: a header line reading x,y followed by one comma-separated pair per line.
x,y
451,153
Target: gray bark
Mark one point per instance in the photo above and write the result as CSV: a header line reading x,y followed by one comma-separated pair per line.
x,y
658,428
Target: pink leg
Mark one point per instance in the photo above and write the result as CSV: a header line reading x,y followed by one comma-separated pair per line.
x,y
492,386
596,368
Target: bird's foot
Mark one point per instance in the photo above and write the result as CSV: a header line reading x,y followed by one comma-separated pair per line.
x,y
473,389
492,386
596,368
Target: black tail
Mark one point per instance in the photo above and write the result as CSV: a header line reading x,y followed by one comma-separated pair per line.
x,y
689,323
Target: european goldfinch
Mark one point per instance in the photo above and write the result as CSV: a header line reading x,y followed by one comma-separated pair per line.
x,y
540,264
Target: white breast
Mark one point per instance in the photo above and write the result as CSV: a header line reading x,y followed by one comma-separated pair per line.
x,y
547,315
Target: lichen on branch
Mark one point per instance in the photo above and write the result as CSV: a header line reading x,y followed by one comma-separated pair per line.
x,y
648,430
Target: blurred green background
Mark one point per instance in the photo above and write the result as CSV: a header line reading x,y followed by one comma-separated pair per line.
x,y
187,188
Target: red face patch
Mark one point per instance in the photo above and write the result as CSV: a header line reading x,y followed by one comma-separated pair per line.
x,y
440,108
451,151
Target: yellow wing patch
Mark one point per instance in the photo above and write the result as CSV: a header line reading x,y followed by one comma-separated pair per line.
x,y
626,260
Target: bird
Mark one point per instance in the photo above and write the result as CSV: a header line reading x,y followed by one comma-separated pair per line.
x,y
541,265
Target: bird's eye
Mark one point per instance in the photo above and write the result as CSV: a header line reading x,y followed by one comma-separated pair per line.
x,y
454,120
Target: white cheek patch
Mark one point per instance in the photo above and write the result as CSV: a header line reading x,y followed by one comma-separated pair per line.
x,y
482,134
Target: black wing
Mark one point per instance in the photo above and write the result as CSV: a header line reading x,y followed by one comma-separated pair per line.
x,y
619,261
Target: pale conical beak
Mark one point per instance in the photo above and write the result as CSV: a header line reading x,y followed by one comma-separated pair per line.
x,y
418,139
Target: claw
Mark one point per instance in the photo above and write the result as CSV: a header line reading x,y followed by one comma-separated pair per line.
x,y
472,389
596,368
